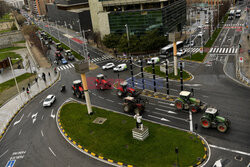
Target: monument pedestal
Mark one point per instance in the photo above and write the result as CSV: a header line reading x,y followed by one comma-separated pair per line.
x,y
140,134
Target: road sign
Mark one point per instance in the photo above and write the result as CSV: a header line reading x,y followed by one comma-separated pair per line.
x,y
10,163
241,59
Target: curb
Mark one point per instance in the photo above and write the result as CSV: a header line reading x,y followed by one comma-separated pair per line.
x,y
80,147
204,159
12,118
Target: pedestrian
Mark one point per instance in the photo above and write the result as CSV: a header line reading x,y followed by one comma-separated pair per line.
x,y
49,74
23,89
28,85
247,37
27,90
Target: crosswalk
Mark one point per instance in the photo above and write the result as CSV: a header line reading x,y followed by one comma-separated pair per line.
x,y
192,50
233,25
223,50
65,67
214,57
103,58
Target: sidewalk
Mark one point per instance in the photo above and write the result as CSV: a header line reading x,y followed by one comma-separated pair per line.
x,y
14,105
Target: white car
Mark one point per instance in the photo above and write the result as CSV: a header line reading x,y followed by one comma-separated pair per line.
x,y
155,59
120,67
108,66
181,52
50,99
200,34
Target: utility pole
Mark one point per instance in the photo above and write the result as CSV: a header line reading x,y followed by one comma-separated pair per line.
x,y
58,32
68,34
15,78
174,37
82,67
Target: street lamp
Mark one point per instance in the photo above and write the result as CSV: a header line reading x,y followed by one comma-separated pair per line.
x,y
85,49
177,159
68,34
58,31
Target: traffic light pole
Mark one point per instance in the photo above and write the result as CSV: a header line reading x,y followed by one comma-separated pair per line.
x,y
167,84
86,93
142,75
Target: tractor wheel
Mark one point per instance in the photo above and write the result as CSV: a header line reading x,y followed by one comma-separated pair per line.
x,y
205,123
126,108
193,108
221,127
82,96
179,104
119,93
74,93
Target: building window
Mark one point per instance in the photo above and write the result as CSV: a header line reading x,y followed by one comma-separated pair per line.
x,y
132,7
151,5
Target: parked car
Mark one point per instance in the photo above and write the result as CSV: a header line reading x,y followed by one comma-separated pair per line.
x,y
155,59
108,66
200,34
50,99
64,61
181,52
120,67
68,55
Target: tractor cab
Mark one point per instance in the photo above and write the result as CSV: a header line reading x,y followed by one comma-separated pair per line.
x,y
77,83
185,95
100,76
211,113
59,47
135,105
124,86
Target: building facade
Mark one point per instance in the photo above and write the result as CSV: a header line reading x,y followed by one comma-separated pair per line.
x,y
74,14
111,16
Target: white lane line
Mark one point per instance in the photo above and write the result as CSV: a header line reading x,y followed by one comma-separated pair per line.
x,y
64,67
94,94
18,120
52,151
4,153
181,119
229,51
171,104
28,115
169,112
51,115
42,133
227,149
223,51
190,121
41,101
110,100
101,97
220,50
162,119
236,50
20,132
42,118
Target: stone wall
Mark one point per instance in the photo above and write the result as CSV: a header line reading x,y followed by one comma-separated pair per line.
x,y
6,25
6,39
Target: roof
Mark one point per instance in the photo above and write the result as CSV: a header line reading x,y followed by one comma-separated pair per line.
x,y
49,96
211,110
185,93
67,50
123,83
99,75
77,81
129,98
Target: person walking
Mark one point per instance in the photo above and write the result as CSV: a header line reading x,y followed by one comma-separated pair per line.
x,y
27,90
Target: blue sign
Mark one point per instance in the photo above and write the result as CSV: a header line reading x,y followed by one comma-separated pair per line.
x,y
10,163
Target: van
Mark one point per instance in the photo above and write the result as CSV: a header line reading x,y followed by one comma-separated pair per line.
x,y
155,59
120,67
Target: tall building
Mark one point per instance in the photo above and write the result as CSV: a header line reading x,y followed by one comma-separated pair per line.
x,y
17,3
110,16
74,14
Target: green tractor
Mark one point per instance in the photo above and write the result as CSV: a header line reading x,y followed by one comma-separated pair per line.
x,y
187,102
211,119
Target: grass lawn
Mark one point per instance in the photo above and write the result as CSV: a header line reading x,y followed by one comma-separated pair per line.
x,y
114,140
170,75
3,31
14,56
210,42
10,83
10,48
196,57
5,17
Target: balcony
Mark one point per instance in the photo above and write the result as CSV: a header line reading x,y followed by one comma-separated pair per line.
x,y
127,2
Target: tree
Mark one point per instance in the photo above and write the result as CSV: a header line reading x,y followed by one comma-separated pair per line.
x,y
111,41
4,8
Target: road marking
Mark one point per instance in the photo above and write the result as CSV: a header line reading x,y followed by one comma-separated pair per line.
x,y
52,151
42,133
110,100
41,101
4,153
53,116
190,121
28,115
171,116
94,94
18,120
162,119
169,112
10,163
34,117
20,132
120,103
66,66
171,104
227,149
101,97
63,67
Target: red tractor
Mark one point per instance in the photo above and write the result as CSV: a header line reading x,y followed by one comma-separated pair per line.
x,y
124,90
101,83
134,105
77,89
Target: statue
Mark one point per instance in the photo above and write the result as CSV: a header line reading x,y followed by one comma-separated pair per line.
x,y
139,124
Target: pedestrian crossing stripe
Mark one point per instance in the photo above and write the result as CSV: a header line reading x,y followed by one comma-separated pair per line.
x,y
64,67
224,50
